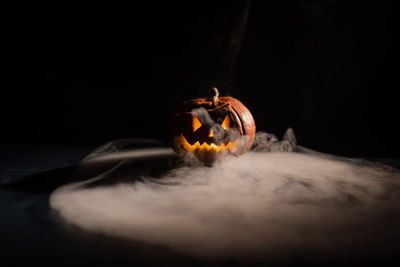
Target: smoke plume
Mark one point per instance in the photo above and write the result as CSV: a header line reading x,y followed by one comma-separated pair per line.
x,y
266,204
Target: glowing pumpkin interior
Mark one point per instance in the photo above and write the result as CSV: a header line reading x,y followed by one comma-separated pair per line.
x,y
198,147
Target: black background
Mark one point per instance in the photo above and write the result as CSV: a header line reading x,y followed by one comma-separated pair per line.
x,y
91,74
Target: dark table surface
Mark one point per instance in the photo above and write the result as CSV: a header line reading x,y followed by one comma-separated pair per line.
x,y
32,234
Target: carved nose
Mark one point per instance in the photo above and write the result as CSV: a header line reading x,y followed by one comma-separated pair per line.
x,y
211,133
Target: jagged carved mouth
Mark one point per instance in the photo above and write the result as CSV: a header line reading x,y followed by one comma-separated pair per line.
x,y
231,146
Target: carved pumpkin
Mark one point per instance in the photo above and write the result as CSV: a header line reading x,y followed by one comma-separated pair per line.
x,y
213,126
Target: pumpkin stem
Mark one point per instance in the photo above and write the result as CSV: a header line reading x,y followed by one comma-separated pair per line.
x,y
216,95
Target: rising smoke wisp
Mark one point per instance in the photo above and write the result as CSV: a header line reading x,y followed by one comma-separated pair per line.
x,y
267,205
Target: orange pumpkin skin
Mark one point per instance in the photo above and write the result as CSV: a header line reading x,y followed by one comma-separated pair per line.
x,y
208,127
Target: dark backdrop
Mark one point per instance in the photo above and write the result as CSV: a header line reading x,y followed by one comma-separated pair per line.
x,y
92,74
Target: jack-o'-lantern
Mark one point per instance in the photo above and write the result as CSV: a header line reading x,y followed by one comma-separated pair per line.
x,y
210,127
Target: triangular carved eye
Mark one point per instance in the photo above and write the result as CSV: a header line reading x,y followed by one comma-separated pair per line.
x,y
196,124
226,123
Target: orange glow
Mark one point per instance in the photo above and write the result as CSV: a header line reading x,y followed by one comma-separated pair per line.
x,y
226,123
196,124
206,147
211,134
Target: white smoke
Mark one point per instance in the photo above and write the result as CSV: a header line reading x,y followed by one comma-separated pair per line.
x,y
267,142
261,205
219,132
